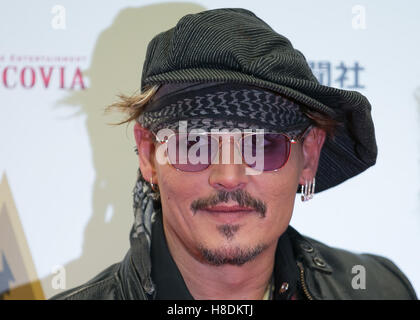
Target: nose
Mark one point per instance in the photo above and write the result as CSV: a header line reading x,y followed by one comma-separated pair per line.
x,y
228,174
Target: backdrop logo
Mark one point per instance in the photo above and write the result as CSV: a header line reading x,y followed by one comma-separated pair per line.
x,y
40,71
342,75
18,279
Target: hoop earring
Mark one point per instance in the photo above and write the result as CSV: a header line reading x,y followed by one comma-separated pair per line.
x,y
154,187
307,190
155,195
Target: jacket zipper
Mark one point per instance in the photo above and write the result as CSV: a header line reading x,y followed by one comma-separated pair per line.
x,y
302,281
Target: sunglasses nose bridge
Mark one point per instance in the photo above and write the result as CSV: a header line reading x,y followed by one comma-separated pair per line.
x,y
228,150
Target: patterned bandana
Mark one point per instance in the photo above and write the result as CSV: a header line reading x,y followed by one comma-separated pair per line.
x,y
146,204
222,106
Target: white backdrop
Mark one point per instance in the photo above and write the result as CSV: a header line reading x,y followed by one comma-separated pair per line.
x,y
71,174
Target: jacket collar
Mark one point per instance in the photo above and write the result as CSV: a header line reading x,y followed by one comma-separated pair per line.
x,y
313,266
306,251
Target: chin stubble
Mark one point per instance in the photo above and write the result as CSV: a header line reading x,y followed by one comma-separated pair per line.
x,y
234,256
228,230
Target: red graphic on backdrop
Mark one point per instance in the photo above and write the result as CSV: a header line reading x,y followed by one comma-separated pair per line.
x,y
47,72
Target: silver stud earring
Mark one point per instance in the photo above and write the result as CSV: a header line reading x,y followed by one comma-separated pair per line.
x,y
307,190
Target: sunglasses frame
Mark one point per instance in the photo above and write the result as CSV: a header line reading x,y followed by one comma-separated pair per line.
x,y
290,140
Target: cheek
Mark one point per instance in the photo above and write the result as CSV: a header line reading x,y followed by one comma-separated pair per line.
x,y
178,190
279,191
282,184
173,201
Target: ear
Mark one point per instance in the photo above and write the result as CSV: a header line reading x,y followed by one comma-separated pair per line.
x,y
311,147
145,147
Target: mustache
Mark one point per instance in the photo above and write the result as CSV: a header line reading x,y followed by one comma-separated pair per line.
x,y
242,197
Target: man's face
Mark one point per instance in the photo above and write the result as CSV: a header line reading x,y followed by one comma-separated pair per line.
x,y
223,215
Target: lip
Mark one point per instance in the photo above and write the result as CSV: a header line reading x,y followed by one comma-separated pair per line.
x,y
228,214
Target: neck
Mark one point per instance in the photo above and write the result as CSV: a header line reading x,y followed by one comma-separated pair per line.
x,y
226,282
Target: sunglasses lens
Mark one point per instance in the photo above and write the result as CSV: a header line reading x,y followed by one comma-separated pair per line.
x,y
191,152
267,152
195,152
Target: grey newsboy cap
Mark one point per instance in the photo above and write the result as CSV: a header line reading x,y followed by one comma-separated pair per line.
x,y
234,45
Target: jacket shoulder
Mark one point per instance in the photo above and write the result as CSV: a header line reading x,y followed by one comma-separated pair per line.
x,y
329,273
104,286
341,274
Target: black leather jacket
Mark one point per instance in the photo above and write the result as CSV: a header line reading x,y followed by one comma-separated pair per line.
x,y
325,273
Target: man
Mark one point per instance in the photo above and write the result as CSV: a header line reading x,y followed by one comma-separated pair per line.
x,y
230,124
